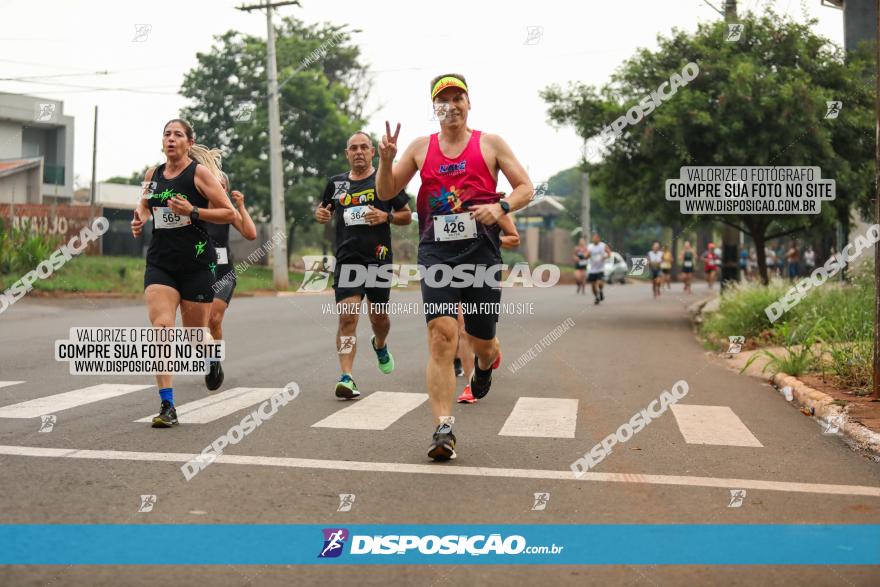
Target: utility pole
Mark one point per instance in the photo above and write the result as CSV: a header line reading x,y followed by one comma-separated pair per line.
x,y
729,235
585,204
94,196
876,369
276,176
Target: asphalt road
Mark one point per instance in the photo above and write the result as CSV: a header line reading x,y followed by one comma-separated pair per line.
x,y
613,361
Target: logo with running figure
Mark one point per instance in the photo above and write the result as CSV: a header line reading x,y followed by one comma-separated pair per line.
x,y
833,108
213,268
445,202
638,265
381,252
346,501
334,541
737,496
200,247
541,501
734,31
317,272
47,422
346,344
340,189
147,503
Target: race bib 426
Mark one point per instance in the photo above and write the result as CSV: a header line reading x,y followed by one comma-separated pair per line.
x,y
453,227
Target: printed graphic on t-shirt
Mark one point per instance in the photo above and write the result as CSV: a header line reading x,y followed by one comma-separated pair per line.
x,y
445,201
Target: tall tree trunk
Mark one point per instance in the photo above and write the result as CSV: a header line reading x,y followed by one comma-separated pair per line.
x,y
762,256
290,240
843,219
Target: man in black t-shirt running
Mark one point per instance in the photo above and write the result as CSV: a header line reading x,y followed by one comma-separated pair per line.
x,y
363,239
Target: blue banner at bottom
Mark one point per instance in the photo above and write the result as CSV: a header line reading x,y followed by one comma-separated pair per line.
x,y
642,544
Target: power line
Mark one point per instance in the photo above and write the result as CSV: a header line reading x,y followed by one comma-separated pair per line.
x,y
30,77
97,88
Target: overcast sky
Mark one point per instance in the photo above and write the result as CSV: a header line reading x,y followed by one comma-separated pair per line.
x,y
404,43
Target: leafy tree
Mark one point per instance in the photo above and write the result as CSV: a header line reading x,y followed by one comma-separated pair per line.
x,y
136,178
323,87
758,101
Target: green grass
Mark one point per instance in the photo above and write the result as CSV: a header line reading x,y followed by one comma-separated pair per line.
x,y
742,311
125,275
836,318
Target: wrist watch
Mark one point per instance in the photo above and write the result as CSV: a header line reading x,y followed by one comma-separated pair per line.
x,y
194,215
505,207
390,217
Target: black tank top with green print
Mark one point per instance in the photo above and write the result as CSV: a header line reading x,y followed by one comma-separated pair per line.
x,y
184,248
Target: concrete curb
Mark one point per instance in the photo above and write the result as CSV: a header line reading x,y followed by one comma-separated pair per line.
x,y
700,308
821,406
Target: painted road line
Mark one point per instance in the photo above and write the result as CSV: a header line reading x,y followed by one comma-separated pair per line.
x,y
716,425
377,411
366,467
52,404
220,405
8,383
542,417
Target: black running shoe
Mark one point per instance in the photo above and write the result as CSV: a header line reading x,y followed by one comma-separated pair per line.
x,y
443,444
214,378
601,295
481,380
459,370
167,416
596,302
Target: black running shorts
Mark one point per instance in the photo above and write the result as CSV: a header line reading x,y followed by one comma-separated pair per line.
x,y
591,277
193,285
225,286
376,294
483,301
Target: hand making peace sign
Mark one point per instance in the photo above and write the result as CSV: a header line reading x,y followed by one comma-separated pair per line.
x,y
388,144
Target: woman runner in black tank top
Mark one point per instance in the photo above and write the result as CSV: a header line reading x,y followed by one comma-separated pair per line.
x,y
224,284
174,247
180,196
688,262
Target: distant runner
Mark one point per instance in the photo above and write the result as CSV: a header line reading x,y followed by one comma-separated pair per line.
x,y
597,253
655,258
687,265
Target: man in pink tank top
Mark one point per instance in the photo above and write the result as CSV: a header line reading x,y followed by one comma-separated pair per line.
x,y
458,209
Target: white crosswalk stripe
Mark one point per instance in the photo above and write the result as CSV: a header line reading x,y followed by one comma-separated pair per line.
x,y
542,417
52,404
222,404
377,411
530,417
716,425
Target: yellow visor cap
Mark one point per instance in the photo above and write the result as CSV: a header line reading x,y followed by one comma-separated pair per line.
x,y
447,82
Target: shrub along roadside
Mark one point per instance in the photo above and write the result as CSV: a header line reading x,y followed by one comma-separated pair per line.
x,y
829,332
21,250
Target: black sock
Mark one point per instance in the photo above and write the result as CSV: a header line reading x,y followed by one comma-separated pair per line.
x,y
477,366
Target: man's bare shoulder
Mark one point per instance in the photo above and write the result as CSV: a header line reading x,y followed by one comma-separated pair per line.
x,y
418,150
420,143
493,141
